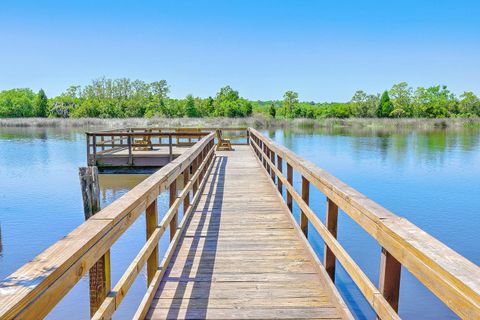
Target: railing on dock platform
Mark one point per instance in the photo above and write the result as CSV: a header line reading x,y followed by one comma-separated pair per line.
x,y
448,275
110,141
33,290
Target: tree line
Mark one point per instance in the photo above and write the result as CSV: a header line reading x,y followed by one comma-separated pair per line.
x,y
121,98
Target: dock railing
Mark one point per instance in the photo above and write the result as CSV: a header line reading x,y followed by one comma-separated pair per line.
x,y
448,275
33,290
100,143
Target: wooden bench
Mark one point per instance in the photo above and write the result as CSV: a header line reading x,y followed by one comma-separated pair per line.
x,y
223,144
145,143
189,138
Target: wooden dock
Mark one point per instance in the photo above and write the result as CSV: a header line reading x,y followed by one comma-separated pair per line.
x,y
143,148
241,252
238,252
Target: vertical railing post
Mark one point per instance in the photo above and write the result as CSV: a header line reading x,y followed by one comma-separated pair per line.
x,y
194,170
186,178
389,282
102,141
261,151
130,156
280,169
94,145
306,198
151,216
331,218
173,197
89,160
272,159
99,273
170,147
264,154
290,182
267,156
200,161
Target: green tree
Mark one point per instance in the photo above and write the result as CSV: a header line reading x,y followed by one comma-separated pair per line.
x,y
272,111
16,103
205,106
228,103
190,108
401,97
469,105
247,108
434,102
334,110
363,105
385,107
290,100
40,105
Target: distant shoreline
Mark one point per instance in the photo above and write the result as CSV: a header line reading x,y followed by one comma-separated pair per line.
x,y
255,121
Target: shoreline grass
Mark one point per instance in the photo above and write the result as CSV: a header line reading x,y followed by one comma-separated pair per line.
x,y
257,121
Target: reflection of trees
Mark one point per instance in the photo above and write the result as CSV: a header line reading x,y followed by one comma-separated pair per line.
x,y
396,144
469,139
29,133
113,186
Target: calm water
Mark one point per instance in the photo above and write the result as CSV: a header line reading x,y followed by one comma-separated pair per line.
x,y
430,177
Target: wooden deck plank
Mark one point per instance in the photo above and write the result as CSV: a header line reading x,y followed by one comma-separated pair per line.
x,y
241,257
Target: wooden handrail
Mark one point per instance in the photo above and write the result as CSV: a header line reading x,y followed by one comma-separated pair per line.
x,y
154,134
98,145
34,289
113,300
448,275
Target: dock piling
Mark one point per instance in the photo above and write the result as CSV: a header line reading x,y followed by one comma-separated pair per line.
x,y
99,274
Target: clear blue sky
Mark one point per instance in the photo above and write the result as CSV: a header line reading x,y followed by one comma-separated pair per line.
x,y
325,50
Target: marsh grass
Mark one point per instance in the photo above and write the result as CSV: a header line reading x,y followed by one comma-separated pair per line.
x,y
257,121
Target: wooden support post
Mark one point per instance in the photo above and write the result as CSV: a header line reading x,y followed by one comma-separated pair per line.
x,y
194,169
102,141
99,274
151,216
88,150
272,158
200,160
267,156
389,283
94,149
170,147
305,197
263,155
331,218
130,156
280,168
90,190
173,197
290,181
186,178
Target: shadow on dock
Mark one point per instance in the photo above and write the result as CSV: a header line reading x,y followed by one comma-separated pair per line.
x,y
212,205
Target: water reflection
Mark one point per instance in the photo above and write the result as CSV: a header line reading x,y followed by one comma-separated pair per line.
x,y
398,145
113,186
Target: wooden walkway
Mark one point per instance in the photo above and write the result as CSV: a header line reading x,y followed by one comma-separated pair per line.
x,y
237,252
241,255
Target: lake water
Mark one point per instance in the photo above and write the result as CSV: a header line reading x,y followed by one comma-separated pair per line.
x,y
430,177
